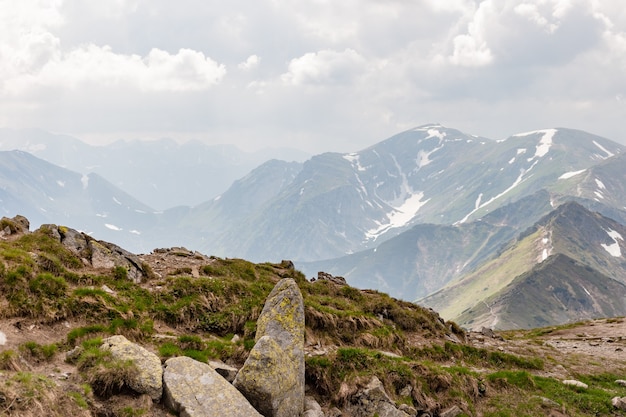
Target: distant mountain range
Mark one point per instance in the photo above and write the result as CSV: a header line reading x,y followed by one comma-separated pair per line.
x,y
161,173
432,214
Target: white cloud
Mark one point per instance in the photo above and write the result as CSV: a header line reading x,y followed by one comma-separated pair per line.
x,y
471,48
355,68
32,56
324,67
250,63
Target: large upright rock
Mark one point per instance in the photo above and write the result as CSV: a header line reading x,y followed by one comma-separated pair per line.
x,y
194,389
149,376
272,377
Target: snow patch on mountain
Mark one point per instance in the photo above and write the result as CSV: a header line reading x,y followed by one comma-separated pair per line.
x,y
61,183
112,227
399,216
435,133
116,201
403,207
517,182
353,158
603,149
423,157
571,174
600,184
613,249
478,200
545,143
545,245
85,181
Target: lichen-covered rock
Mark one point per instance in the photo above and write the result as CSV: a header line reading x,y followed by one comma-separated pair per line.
x,y
272,377
194,389
149,376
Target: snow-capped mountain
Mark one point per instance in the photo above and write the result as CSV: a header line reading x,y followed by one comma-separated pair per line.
x,y
339,204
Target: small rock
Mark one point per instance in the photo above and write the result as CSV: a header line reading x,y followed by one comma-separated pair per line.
x,y
575,383
407,409
621,382
451,412
335,412
619,403
107,290
406,391
549,403
235,338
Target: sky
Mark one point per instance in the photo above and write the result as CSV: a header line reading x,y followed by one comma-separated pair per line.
x,y
316,75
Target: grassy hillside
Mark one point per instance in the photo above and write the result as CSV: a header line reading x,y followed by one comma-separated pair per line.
x,y
194,305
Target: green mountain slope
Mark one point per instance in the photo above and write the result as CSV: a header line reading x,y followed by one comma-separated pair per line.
x,y
559,290
590,239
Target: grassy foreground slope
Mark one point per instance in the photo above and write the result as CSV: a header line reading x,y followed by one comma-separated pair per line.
x,y
205,307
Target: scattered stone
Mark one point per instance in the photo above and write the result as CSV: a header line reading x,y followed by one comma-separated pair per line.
x,y
451,412
235,338
3,339
73,355
373,400
226,371
272,378
149,376
621,382
407,409
575,383
107,290
194,389
619,403
312,408
335,412
406,391
549,403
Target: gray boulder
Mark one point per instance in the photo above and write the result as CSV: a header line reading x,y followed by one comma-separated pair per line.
x,y
148,378
194,389
272,378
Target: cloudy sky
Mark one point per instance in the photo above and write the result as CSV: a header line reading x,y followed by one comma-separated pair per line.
x,y
316,75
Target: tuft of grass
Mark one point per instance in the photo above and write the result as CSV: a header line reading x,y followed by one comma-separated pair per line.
x,y
39,352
